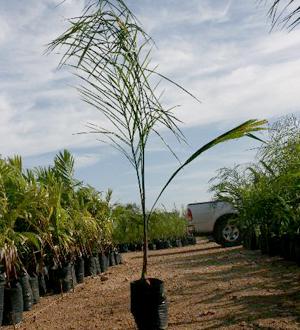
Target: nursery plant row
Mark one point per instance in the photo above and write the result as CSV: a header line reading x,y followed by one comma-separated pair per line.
x,y
159,244
266,194
54,230
26,290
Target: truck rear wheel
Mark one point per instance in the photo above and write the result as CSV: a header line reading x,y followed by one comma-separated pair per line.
x,y
226,232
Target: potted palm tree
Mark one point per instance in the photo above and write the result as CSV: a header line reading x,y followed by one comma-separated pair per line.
x,y
111,55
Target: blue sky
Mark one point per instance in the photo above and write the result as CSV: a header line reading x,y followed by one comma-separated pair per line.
x,y
220,50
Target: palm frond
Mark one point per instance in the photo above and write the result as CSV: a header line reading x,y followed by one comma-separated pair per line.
x,y
285,13
245,129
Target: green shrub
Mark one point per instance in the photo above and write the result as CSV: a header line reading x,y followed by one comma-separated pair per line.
x,y
128,225
47,216
267,193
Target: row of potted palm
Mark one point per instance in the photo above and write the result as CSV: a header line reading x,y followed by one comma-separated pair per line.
x,y
266,194
53,231
166,229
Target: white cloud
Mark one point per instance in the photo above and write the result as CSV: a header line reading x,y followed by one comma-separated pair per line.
x,y
86,160
220,50
252,77
4,29
191,13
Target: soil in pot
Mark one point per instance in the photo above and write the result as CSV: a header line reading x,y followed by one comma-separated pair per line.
x,y
148,304
27,292
13,304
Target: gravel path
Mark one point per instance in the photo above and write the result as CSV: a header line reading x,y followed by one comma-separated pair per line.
x,y
208,287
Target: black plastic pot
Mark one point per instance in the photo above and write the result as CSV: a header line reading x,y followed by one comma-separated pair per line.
x,y
90,268
139,247
2,283
149,305
42,284
66,277
191,240
285,246
13,304
54,284
132,247
273,246
263,244
123,248
118,257
27,292
61,278
184,241
178,243
159,244
97,264
73,273
103,262
111,258
167,244
250,240
297,249
79,270
292,249
34,283
152,246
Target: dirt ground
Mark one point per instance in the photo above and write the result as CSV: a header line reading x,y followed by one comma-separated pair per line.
x,y
208,287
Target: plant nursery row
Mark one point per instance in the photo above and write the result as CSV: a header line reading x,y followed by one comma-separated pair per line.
x,y
25,291
54,230
266,193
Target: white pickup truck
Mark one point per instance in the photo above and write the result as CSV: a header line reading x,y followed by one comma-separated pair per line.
x,y
216,218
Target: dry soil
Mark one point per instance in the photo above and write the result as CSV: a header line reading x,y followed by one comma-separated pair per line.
x,y
208,287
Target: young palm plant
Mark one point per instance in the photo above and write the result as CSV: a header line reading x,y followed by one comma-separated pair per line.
x,y
111,55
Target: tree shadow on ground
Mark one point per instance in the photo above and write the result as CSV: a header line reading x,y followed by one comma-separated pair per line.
x,y
237,287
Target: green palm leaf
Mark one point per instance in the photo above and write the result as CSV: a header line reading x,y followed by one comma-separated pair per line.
x,y
245,129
